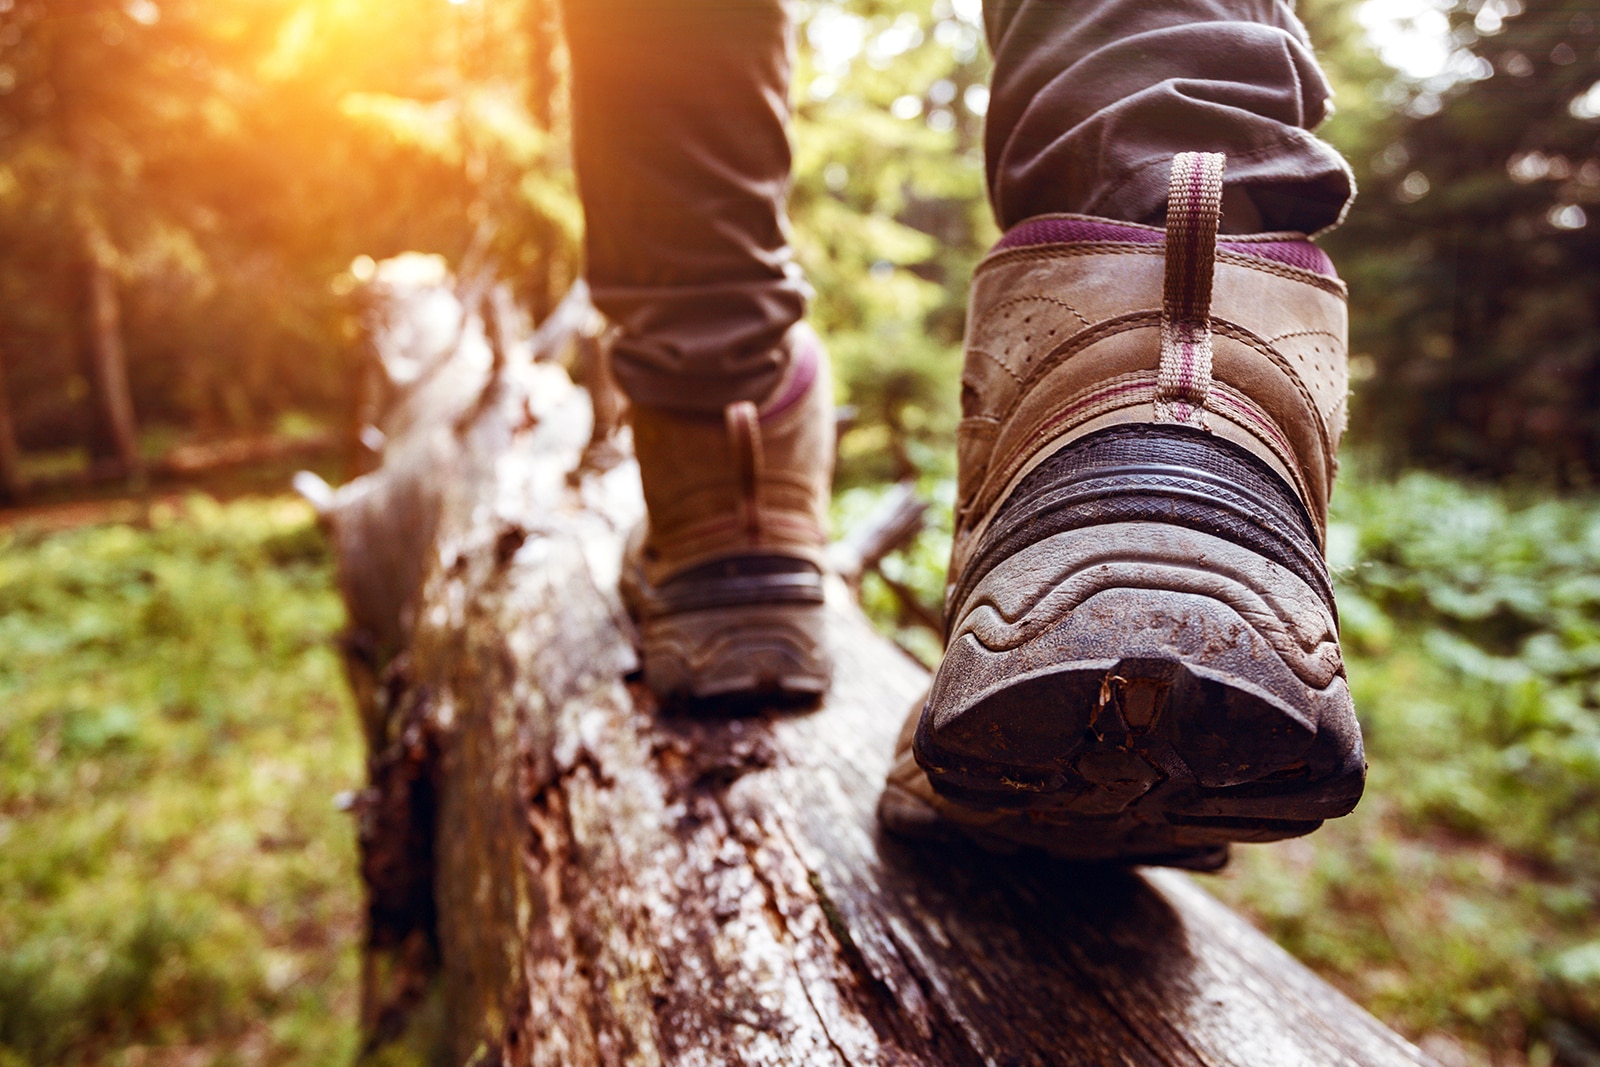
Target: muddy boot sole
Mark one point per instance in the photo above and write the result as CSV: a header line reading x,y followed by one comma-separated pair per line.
x,y
1145,691
755,650
744,627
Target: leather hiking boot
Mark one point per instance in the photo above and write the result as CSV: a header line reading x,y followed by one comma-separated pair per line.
x,y
725,577
1141,660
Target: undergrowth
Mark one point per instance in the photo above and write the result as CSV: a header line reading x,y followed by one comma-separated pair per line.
x,y
1459,902
176,885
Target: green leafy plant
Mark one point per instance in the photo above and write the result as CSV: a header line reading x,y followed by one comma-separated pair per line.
x,y
174,723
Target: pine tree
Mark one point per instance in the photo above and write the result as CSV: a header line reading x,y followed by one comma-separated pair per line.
x,y
1474,254
194,177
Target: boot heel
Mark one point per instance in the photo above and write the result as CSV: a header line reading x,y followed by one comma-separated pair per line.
x,y
1149,688
776,649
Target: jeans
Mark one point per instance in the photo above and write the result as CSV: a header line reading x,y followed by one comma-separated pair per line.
x,y
680,111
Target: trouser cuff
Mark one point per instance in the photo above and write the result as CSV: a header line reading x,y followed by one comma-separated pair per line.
x,y
700,348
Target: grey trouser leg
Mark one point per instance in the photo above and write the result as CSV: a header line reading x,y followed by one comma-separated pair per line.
x,y
1092,98
680,111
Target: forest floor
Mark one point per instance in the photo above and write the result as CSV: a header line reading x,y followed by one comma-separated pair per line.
x,y
177,885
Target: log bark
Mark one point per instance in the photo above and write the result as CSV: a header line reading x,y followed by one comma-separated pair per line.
x,y
586,880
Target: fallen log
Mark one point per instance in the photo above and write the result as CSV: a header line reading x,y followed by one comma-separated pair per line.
x,y
584,879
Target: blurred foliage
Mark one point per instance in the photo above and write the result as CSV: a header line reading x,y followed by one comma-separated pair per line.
x,y
889,214
171,720
918,568
1473,254
230,160
1506,602
174,724
1460,899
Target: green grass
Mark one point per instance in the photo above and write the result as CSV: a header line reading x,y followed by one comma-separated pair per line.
x,y
175,883
1461,897
176,886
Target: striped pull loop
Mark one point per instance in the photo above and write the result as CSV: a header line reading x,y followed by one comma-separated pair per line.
x,y
1194,207
744,441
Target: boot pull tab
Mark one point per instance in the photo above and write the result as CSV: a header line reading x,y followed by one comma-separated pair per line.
x,y
744,441
1194,207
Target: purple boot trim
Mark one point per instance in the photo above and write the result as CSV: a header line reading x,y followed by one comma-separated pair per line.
x,y
805,360
1066,229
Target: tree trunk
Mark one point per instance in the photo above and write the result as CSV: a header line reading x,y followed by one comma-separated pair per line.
x,y
593,881
117,432
13,486
542,32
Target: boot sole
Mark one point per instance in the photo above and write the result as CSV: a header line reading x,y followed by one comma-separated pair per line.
x,y
1139,690
757,649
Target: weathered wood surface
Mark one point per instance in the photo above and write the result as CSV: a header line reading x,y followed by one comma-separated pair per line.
x,y
601,883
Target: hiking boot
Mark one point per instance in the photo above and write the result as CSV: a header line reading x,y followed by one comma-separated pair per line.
x,y
725,577
1142,661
